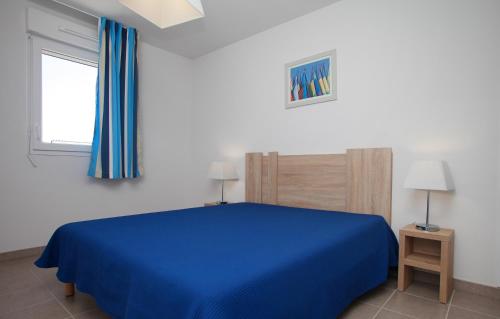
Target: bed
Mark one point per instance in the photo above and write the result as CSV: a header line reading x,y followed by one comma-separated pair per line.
x,y
281,254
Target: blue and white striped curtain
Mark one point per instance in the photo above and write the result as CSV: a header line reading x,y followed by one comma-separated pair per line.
x,y
116,150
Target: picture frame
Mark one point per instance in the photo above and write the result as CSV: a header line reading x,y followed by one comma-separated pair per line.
x,y
311,80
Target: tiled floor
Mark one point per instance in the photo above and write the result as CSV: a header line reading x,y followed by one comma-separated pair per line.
x,y
421,301
27,292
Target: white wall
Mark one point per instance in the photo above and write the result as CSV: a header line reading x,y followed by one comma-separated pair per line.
x,y
418,76
34,201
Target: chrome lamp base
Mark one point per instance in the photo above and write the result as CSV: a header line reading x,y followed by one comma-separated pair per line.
x,y
427,227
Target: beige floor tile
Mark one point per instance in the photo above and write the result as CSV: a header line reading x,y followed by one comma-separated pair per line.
x,y
416,306
93,314
359,311
386,314
78,303
56,287
16,265
391,283
425,290
50,281
477,303
377,296
22,299
47,310
476,289
459,313
11,281
45,274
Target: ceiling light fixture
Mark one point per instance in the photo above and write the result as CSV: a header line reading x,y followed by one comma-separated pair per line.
x,y
166,13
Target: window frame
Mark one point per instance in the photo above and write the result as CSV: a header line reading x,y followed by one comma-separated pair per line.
x,y
41,45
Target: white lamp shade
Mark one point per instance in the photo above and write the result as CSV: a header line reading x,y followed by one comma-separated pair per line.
x,y
222,171
166,13
429,175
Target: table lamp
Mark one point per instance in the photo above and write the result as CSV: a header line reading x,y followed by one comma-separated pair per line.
x,y
222,171
428,176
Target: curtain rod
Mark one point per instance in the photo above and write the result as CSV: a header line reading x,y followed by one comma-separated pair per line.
x,y
85,12
76,9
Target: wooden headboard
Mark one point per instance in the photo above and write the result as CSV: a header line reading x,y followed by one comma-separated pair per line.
x,y
359,181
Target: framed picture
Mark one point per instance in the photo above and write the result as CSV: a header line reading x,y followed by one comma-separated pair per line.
x,y
311,80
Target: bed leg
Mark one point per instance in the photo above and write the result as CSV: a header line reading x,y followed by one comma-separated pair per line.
x,y
69,289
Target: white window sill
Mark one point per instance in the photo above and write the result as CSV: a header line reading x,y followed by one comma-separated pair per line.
x,y
59,153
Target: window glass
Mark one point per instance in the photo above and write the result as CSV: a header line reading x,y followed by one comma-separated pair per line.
x,y
68,100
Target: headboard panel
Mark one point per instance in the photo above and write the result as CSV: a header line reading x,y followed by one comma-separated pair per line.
x,y
253,177
358,181
312,181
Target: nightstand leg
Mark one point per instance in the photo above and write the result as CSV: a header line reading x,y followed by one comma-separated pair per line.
x,y
446,276
405,272
405,276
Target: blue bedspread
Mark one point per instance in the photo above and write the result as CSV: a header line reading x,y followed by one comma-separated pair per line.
x,y
236,261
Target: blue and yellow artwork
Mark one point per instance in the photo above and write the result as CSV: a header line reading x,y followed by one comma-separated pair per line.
x,y
311,81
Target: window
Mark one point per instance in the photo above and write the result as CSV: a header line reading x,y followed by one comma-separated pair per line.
x,y
68,100
63,97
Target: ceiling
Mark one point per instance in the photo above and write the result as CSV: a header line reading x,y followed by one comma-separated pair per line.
x,y
226,21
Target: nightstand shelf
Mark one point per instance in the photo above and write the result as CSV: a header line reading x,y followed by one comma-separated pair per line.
x,y
431,251
423,261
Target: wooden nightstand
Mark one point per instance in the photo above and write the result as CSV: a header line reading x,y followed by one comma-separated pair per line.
x,y
431,251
